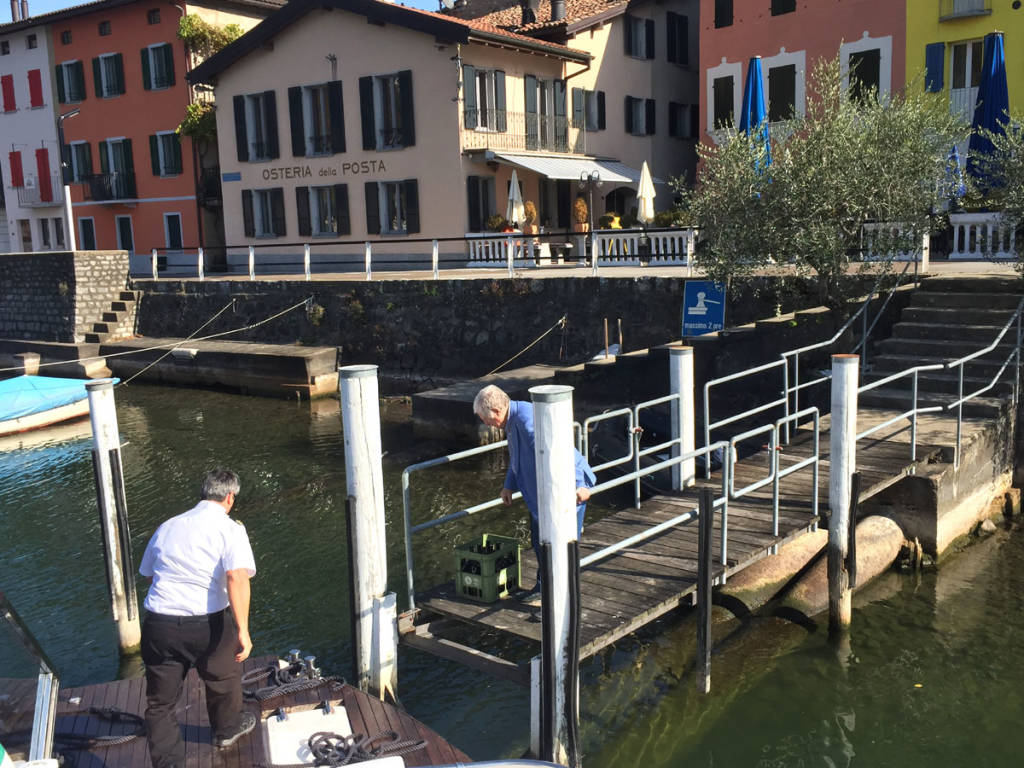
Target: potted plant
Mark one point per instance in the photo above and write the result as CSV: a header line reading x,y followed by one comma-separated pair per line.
x,y
580,214
496,223
529,218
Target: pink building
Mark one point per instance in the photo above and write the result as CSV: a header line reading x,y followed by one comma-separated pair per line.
x,y
790,36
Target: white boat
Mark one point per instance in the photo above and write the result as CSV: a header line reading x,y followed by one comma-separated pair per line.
x,y
34,402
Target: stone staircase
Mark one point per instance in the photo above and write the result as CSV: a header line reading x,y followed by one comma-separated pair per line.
x,y
117,322
948,318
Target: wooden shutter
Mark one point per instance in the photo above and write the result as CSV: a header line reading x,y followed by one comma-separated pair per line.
x,y
154,154
129,162
405,98
627,28
934,62
295,119
501,122
248,227
532,125
629,114
241,135
302,208
336,109
7,86
97,77
35,88
561,117
17,174
277,211
78,80
412,206
577,107
650,122
366,114
62,96
649,42
43,175
673,118
473,201
167,51
147,76
86,158
341,209
118,73
270,104
372,208
682,40
671,22
469,114
600,110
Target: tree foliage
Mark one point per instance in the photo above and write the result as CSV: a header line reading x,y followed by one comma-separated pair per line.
x,y
204,39
852,159
200,121
1004,170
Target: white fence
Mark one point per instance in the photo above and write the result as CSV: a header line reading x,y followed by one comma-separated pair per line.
x,y
981,236
871,250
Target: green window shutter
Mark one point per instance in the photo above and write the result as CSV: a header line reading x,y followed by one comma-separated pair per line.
x,y
673,122
501,123
86,158
248,226
372,208
295,120
577,107
118,73
408,118
270,101
336,108
341,209
302,208
167,51
78,79
671,24
683,40
469,114
561,118
650,123
62,97
627,28
154,154
532,123
147,77
129,163
412,207
277,211
473,201
104,157
97,77
649,34
600,110
629,114
241,136
366,115
176,153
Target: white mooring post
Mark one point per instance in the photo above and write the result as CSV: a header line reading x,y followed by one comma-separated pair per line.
x,y
367,258
110,498
560,605
200,266
843,447
684,423
374,614
510,256
252,263
305,261
153,264
433,260
69,218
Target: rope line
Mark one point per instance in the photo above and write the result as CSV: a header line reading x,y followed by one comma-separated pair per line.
x,y
559,324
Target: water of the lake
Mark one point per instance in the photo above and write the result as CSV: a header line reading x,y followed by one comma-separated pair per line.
x,y
932,677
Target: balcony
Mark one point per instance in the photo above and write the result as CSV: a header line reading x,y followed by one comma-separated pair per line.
x,y
32,195
962,9
209,186
517,132
109,187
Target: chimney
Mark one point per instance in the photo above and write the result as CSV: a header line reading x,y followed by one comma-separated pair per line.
x,y
557,10
459,4
24,9
14,11
529,9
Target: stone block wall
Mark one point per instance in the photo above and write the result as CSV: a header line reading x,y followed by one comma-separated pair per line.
x,y
57,296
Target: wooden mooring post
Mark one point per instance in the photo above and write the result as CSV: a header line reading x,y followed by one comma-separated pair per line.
x,y
558,683
374,611
113,508
843,451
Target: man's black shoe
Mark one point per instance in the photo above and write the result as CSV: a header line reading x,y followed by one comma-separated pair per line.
x,y
245,725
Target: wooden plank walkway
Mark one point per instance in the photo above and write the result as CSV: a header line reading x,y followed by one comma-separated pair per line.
x,y
367,715
639,584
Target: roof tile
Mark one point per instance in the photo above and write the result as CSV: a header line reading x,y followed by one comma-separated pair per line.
x,y
508,14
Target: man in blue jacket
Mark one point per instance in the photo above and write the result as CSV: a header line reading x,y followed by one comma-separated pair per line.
x,y
496,409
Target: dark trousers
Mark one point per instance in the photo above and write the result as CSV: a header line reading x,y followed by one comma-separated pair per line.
x,y
581,510
171,645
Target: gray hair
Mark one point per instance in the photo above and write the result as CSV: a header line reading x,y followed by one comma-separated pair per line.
x,y
490,398
218,483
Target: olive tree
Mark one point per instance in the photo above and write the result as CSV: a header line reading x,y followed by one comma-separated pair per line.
x,y
852,159
1003,169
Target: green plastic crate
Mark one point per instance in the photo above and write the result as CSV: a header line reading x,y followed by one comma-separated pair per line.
x,y
487,569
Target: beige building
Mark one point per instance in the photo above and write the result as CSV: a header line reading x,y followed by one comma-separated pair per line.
x,y
362,120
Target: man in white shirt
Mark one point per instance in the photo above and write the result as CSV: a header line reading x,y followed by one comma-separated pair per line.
x,y
200,563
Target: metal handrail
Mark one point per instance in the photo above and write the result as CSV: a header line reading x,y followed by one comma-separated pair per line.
x,y
584,448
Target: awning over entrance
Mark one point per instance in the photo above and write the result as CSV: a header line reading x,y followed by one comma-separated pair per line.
x,y
570,168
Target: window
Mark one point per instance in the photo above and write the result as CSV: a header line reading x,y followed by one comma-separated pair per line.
x,y
483,98
172,231
639,37
323,211
386,107
256,126
157,67
723,96
5,48
44,233
108,75
7,89
58,232
263,212
480,200
153,16
80,161
31,42
781,93
547,126
104,28
165,153
117,169
86,234
317,119
677,38
780,7
640,116
723,13
35,88
588,109
965,61
25,228
392,207
70,82
125,238
682,120
865,74
65,37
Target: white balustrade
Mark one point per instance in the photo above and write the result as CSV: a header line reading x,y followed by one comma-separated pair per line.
x,y
981,236
489,250
621,248
871,251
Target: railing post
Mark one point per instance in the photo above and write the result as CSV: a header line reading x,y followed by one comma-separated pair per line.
x,y
374,614
593,253
1016,364
843,448
913,420
684,422
252,263
199,264
110,498
510,257
560,606
433,260
367,257
705,560
959,415
305,261
153,263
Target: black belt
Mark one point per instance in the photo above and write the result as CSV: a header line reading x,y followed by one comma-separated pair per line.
x,y
201,619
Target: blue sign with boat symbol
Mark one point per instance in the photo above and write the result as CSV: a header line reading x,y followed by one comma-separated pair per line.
x,y
703,307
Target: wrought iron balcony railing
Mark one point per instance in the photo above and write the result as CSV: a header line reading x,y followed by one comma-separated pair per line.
x,y
209,185
519,131
958,9
101,187
39,195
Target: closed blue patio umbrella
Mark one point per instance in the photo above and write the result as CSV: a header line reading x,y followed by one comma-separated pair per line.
x,y
754,113
991,111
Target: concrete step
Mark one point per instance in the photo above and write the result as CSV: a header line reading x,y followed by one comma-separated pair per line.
x,y
113,317
973,284
947,382
957,316
975,333
980,367
104,327
901,400
1008,301
121,305
944,349
129,296
95,338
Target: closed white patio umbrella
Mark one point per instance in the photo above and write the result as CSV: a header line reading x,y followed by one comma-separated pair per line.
x,y
645,196
514,213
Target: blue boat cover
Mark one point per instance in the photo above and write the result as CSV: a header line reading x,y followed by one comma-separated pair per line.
x,y
25,395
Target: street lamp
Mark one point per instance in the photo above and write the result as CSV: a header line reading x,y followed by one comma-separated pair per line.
x,y
69,221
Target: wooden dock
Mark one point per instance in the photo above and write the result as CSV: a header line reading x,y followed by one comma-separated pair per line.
x,y
635,586
367,715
